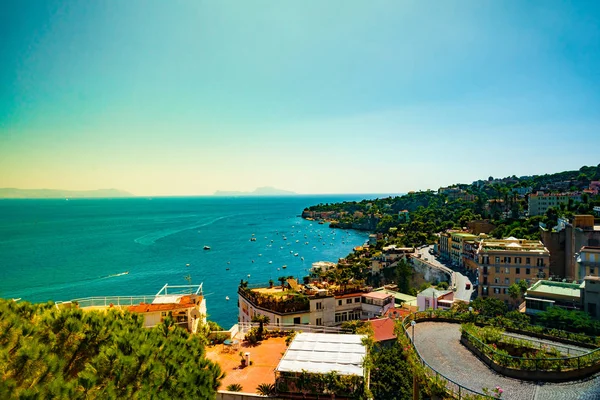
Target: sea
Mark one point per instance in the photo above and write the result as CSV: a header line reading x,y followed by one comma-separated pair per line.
x,y
65,249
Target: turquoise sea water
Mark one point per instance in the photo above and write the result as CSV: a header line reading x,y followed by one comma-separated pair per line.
x,y
62,250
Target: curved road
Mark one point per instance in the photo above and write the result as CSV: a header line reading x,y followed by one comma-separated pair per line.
x,y
439,345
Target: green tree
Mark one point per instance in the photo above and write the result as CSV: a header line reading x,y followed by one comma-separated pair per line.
x,y
262,320
46,352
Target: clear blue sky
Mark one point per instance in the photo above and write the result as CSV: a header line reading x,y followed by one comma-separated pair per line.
x,y
189,97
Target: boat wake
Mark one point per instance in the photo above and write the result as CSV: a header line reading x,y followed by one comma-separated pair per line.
x,y
151,238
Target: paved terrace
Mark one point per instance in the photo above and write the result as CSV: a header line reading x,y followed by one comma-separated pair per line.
x,y
265,356
439,345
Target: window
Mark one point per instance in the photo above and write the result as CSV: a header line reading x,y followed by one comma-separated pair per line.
x,y
517,271
506,281
591,270
348,301
517,280
319,306
507,260
527,271
319,321
540,262
163,314
427,304
496,290
517,260
497,270
496,280
592,309
484,291
504,290
357,299
339,302
497,260
528,261
506,270
297,320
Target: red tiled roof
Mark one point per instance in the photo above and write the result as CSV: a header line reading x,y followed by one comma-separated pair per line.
x,y
396,313
184,302
383,329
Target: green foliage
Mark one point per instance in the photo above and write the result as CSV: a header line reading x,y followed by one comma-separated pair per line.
x,y
489,307
266,389
574,321
391,375
68,353
442,285
234,387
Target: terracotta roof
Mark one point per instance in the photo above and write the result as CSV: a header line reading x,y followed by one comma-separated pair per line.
x,y
377,295
397,313
383,329
184,302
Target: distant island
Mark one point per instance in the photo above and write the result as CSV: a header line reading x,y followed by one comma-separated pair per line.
x,y
261,191
13,193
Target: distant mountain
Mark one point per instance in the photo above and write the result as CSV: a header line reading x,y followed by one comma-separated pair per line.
x,y
13,193
261,191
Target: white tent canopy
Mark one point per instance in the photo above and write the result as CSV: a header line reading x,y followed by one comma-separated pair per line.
x,y
323,353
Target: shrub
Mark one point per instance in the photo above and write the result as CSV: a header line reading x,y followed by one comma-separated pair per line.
x,y
234,387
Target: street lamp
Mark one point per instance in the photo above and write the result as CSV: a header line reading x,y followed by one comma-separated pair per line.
x,y
413,323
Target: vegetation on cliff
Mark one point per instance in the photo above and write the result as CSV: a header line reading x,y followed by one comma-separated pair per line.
x,y
503,202
70,354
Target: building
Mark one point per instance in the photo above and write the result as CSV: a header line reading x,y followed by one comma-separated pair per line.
x,y
383,331
583,231
521,191
502,262
545,294
588,262
322,353
480,226
316,303
184,303
591,296
538,203
404,216
457,246
454,193
432,298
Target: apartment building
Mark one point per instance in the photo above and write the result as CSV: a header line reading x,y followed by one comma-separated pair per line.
x,y
588,262
539,202
565,242
314,303
502,262
457,246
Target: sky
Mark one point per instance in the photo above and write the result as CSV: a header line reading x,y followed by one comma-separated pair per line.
x,y
189,97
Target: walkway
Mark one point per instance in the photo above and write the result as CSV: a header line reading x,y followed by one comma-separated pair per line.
x,y
439,345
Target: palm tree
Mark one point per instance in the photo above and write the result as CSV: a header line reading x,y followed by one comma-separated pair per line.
x,y
261,319
234,387
266,389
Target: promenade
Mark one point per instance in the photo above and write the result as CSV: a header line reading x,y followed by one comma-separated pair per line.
x,y
439,345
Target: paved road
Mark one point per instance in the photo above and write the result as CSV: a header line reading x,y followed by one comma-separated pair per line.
x,y
439,345
458,279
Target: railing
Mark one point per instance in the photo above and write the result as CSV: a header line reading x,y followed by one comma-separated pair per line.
x,y
455,389
244,327
535,364
269,304
107,301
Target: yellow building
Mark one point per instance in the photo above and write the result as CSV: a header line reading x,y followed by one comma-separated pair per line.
x,y
457,245
502,262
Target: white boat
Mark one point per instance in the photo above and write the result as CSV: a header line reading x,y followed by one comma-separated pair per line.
x,y
206,247
270,262
295,254
227,298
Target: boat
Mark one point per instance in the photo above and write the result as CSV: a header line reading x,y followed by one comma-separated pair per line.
x,y
284,267
253,239
206,247
226,269
227,298
295,254
270,262
302,258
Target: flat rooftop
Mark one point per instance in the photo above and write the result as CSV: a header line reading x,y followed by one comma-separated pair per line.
x,y
323,353
405,298
555,288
